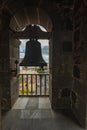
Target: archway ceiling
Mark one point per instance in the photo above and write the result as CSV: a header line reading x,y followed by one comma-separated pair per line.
x,y
23,14
28,16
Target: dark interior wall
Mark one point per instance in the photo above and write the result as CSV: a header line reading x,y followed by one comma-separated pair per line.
x,y
61,61
8,55
4,61
79,100
14,81
61,69
64,92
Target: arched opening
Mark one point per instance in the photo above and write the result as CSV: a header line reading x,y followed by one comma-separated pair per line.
x,y
14,43
32,15
33,80
35,15
18,25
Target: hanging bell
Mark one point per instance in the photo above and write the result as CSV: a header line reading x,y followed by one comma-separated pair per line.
x,y
33,56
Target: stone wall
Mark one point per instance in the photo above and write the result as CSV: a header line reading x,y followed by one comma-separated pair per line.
x,y
4,62
14,81
61,69
8,55
79,90
9,80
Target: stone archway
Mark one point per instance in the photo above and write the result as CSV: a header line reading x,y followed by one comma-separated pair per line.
x,y
32,15
12,45
61,61
58,62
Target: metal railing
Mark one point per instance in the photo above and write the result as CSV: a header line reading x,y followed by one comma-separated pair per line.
x,y
34,84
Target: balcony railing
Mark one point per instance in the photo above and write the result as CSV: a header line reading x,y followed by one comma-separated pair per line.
x,y
34,84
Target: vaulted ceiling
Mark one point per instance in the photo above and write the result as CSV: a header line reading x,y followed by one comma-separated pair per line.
x,y
32,15
25,12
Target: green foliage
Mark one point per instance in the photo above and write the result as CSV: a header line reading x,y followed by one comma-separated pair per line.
x,y
40,70
20,79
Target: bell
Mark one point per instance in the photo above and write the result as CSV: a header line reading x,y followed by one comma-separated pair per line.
x,y
33,56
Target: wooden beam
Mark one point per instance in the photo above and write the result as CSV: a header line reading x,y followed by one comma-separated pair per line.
x,y
31,32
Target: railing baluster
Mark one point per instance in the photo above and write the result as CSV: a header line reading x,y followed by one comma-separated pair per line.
x,y
22,85
48,83
36,83
29,84
45,85
40,84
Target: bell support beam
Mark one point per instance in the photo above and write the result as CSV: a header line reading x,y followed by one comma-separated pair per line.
x,y
31,31
21,35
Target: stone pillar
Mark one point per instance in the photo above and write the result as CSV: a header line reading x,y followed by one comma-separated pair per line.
x,y
9,52
4,62
79,90
61,70
14,80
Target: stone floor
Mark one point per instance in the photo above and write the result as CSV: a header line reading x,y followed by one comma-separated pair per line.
x,y
36,114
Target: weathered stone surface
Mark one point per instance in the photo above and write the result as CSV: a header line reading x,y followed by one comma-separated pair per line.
x,y
79,102
61,64
14,81
61,69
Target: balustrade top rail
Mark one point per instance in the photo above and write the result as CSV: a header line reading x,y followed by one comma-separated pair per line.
x,y
34,74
